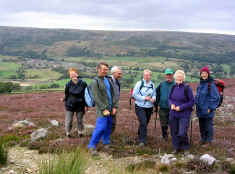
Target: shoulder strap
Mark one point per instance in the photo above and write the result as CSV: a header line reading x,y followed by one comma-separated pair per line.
x,y
186,88
172,89
142,85
96,79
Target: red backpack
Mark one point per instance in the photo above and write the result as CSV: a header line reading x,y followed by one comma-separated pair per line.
x,y
220,86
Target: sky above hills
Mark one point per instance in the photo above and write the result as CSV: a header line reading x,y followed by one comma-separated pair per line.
x,y
211,16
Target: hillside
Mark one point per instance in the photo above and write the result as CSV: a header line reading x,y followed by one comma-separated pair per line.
x,y
39,58
42,43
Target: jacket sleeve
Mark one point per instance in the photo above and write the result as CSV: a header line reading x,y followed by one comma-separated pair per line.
x,y
136,93
84,87
115,100
214,97
158,94
189,104
66,92
97,95
170,102
154,92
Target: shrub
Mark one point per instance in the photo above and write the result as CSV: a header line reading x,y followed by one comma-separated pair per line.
x,y
3,154
72,163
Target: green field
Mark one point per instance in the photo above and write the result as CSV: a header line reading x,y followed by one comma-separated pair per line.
x,y
8,69
41,74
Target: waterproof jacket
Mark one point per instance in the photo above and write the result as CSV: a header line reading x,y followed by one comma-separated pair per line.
x,y
139,93
162,93
74,96
206,99
101,97
177,96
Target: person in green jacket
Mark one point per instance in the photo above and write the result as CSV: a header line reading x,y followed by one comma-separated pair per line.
x,y
162,93
106,104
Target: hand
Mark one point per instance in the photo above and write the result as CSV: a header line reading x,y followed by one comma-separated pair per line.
x,y
106,112
86,108
148,98
152,100
209,110
114,111
62,99
177,108
172,107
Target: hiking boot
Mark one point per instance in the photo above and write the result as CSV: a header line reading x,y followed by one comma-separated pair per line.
x,y
185,152
93,152
80,133
68,135
202,142
176,151
165,138
106,146
141,144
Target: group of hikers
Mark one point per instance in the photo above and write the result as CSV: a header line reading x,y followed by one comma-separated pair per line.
x,y
172,99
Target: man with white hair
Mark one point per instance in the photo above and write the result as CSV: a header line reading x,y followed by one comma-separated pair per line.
x,y
115,78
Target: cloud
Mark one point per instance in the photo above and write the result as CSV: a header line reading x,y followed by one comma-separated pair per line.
x,y
186,15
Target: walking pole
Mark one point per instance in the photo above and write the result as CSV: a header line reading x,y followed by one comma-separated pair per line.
x,y
191,131
191,125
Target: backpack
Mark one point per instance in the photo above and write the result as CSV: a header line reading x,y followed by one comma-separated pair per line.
x,y
89,98
220,87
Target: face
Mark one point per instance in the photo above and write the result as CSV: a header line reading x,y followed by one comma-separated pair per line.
x,y
118,74
179,79
204,75
147,76
103,71
73,75
169,77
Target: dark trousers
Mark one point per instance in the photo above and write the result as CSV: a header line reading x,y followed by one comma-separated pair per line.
x,y
144,115
179,128
113,123
164,120
206,129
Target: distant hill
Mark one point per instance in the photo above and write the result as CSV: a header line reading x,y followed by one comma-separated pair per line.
x,y
46,43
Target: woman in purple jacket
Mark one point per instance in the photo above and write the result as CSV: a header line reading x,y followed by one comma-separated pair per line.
x,y
181,101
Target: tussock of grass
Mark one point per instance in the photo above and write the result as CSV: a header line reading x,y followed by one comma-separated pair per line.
x,y
163,168
147,164
72,163
3,154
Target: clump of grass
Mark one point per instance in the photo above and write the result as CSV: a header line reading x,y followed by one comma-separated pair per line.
x,y
163,168
232,170
199,166
3,154
73,163
147,164
9,140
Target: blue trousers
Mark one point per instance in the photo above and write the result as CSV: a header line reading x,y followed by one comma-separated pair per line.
x,y
206,129
102,130
179,128
144,115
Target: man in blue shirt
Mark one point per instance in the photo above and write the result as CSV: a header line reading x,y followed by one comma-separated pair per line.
x,y
106,105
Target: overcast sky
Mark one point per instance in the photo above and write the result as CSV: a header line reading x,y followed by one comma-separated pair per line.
x,y
212,16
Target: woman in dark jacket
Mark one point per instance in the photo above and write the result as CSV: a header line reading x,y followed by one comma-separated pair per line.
x,y
181,101
74,102
207,99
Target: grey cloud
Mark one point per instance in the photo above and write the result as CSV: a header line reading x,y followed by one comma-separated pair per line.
x,y
149,14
